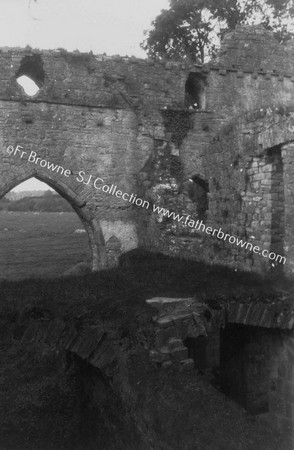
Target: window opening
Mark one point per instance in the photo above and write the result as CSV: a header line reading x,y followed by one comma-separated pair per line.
x,y
195,91
30,75
198,190
40,234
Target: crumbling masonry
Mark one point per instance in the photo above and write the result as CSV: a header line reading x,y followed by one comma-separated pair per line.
x,y
215,142
148,127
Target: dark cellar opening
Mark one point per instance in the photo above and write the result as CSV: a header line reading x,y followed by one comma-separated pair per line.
x,y
237,362
197,350
68,403
245,366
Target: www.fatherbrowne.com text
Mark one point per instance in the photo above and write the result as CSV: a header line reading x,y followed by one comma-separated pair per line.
x,y
99,184
218,233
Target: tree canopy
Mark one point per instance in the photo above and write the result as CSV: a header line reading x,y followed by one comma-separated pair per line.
x,y
192,29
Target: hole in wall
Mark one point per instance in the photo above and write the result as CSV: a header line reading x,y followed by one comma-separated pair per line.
x,y
30,75
29,86
242,366
195,91
197,350
198,190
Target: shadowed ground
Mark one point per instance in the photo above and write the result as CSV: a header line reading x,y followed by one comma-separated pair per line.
x,y
46,395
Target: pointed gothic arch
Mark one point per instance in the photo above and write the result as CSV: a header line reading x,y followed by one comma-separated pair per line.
x,y
90,223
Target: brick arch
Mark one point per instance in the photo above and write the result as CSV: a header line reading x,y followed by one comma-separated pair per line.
x,y
91,224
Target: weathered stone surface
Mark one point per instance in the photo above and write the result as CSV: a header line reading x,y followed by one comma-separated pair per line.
x,y
131,125
187,364
179,353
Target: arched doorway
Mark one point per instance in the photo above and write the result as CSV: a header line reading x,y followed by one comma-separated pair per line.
x,y
85,220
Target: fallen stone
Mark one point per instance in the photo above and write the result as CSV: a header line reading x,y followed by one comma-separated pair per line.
x,y
179,353
187,364
164,302
164,322
175,343
158,357
167,365
163,335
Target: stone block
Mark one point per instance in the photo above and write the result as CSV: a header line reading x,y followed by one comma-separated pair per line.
x,y
175,343
163,335
179,353
187,365
167,365
240,74
158,357
164,322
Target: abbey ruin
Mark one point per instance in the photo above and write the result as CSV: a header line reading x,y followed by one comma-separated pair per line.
x,y
214,142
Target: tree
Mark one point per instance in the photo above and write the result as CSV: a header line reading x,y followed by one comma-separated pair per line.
x,y
49,193
192,29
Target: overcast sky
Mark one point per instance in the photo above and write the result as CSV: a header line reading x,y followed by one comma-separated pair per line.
x,y
111,26
103,26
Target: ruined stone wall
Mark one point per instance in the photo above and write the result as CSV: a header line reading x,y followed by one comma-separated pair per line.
x,y
238,143
281,392
256,357
257,370
252,72
288,161
248,168
255,185
254,48
148,127
248,345
93,114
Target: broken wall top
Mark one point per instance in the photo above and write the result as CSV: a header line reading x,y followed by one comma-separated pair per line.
x,y
96,80
254,48
74,78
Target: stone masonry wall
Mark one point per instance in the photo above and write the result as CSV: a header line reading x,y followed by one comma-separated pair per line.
x,y
93,114
248,169
132,124
254,179
247,112
256,358
281,392
257,370
288,160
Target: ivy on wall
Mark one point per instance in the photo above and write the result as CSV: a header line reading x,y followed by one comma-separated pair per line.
x,y
178,123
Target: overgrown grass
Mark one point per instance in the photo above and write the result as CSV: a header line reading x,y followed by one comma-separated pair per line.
x,y
46,400
123,290
40,244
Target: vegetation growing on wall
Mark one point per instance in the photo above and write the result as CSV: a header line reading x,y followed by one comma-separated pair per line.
x,y
192,29
178,123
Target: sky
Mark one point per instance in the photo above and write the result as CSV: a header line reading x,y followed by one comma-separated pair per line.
x,y
114,27
111,26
